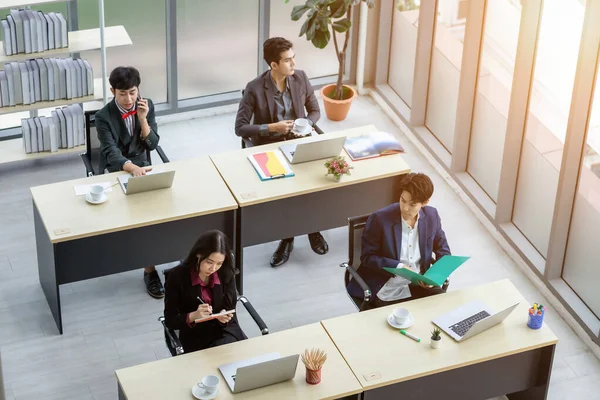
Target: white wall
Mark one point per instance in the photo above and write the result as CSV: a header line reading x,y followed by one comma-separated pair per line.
x,y
402,54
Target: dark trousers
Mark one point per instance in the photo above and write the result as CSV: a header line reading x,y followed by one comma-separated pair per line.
x,y
416,292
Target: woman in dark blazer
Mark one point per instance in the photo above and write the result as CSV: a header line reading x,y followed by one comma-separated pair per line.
x,y
207,274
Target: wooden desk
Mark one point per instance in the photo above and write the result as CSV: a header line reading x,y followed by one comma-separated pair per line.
x,y
76,240
309,201
508,359
173,378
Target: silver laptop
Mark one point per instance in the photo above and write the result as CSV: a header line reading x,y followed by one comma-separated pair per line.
x,y
256,372
315,149
470,319
151,181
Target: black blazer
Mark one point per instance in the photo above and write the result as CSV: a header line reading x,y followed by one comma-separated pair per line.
x,y
181,299
117,145
258,102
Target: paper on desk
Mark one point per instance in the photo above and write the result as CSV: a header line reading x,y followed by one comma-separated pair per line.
x,y
81,190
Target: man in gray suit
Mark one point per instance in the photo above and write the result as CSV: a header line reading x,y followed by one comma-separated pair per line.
x,y
266,114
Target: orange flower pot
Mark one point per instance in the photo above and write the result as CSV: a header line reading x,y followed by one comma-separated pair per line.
x,y
336,110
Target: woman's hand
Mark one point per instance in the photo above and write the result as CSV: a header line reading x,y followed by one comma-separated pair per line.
x,y
204,310
224,318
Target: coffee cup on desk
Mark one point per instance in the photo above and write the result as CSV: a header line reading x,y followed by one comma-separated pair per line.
x,y
97,192
209,384
301,126
401,316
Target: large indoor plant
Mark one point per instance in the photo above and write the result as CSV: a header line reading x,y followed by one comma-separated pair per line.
x,y
323,19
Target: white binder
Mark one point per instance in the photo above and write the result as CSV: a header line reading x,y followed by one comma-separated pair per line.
x,y
57,30
11,84
78,82
56,121
40,30
33,134
69,121
63,30
78,131
53,135
26,135
13,33
63,128
74,76
35,70
16,16
44,29
56,70
83,74
6,38
90,77
4,89
26,30
16,75
68,78
43,73
45,133
24,75
33,28
50,22
31,84
40,134
62,83
50,77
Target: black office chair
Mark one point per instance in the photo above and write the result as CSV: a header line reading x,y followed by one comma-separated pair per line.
x,y
172,336
92,157
246,142
355,229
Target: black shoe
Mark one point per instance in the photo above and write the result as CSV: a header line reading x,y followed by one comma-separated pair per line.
x,y
318,243
282,254
154,286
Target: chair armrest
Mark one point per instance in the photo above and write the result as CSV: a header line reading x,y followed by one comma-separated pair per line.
x,y
89,170
173,342
162,154
261,324
363,285
318,130
246,142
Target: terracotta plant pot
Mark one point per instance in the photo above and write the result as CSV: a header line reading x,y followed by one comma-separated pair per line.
x,y
336,110
313,377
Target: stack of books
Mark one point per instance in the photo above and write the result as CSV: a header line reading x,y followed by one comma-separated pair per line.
x,y
30,31
65,128
45,79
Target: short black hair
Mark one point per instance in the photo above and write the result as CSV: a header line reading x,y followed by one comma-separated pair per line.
x,y
123,78
418,185
273,47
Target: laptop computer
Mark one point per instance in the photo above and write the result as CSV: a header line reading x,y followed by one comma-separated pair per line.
x,y
316,149
470,319
151,181
256,372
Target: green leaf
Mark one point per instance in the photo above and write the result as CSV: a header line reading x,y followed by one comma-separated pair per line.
x,y
338,8
298,11
312,28
323,24
304,27
321,39
342,25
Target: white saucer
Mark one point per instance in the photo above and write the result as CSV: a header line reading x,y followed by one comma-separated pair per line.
x,y
298,133
200,394
88,198
393,324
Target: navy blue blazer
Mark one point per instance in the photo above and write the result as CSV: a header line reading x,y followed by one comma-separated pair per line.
x,y
382,240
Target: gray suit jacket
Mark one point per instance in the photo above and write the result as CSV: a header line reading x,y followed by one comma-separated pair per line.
x,y
117,145
258,103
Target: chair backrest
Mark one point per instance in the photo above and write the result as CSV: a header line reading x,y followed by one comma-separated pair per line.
x,y
355,230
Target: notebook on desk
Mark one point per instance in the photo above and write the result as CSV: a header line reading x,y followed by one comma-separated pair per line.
x,y
270,165
374,144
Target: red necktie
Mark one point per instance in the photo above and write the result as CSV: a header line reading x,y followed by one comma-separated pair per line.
x,y
128,114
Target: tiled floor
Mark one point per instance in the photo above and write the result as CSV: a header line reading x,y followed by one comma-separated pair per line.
x,y
111,323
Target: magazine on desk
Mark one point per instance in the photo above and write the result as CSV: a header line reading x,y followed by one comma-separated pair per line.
x,y
374,144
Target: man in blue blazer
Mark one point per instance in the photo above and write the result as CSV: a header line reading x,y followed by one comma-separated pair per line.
x,y
402,235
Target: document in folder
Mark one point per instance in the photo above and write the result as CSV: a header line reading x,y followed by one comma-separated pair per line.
x,y
436,275
270,165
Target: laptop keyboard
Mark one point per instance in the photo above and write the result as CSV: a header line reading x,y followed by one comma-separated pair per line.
x,y
461,327
125,185
292,153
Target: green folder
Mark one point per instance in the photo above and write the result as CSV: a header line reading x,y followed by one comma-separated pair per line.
x,y
436,275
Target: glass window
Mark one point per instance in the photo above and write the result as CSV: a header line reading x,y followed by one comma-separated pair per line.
x,y
216,46
403,48
555,64
315,62
494,84
444,75
145,23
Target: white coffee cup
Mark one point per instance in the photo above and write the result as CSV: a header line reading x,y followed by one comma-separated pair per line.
x,y
209,384
301,125
97,192
401,315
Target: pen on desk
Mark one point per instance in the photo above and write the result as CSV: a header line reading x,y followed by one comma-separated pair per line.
x,y
413,337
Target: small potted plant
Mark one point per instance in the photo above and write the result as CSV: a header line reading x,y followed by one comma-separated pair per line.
x,y
338,166
436,338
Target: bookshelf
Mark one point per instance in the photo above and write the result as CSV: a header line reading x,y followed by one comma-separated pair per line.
x,y
12,150
21,3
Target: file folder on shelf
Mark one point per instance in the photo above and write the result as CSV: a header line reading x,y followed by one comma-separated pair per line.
x,y
26,135
4,89
16,16
6,38
43,77
50,33
63,128
13,33
26,30
40,134
26,90
45,133
33,134
11,84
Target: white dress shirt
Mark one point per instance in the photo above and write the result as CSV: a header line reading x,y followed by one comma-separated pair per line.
x,y
396,287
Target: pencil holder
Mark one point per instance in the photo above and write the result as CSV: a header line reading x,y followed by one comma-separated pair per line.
x,y
313,377
535,321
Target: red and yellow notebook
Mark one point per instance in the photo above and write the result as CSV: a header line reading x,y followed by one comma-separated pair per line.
x,y
270,165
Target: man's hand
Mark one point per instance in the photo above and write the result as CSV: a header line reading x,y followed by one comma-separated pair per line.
x,y
224,318
139,171
281,127
424,286
142,109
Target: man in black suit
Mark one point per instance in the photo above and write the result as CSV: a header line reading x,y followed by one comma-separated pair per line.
x,y
126,129
267,112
